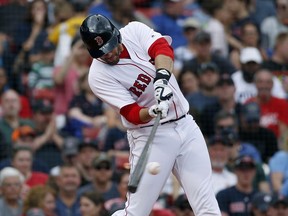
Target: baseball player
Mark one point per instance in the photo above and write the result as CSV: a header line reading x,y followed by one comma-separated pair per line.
x,y
131,71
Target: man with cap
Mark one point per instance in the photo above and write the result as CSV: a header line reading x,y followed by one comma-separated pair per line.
x,y
87,150
251,131
218,148
208,76
250,59
102,182
48,141
224,92
186,52
204,54
236,200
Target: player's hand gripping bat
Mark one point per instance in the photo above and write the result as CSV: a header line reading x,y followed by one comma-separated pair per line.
x,y
141,165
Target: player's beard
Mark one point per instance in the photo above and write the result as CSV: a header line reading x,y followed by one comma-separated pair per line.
x,y
115,58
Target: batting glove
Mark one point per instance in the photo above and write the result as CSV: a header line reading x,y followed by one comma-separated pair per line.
x,y
161,88
162,108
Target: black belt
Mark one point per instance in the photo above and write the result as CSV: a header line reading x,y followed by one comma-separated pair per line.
x,y
172,120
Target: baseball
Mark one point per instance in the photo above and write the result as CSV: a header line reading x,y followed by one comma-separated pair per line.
x,y
153,168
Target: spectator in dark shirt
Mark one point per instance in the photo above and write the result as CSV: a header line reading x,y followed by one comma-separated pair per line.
x,y
225,90
208,75
236,200
102,178
204,54
67,202
86,112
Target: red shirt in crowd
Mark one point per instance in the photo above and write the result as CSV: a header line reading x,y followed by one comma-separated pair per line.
x,y
37,178
273,112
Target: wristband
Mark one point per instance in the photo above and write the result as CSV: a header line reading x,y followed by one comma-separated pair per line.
x,y
162,73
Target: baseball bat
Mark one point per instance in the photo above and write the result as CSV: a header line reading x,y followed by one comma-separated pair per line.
x,y
141,165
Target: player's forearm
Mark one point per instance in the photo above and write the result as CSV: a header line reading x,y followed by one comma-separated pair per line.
x,y
163,61
144,115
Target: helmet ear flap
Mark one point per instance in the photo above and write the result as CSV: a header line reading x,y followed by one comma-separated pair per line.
x,y
99,35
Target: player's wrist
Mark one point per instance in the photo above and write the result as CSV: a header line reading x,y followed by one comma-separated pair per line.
x,y
162,73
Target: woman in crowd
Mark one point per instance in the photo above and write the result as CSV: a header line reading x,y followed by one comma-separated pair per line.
x,y
41,197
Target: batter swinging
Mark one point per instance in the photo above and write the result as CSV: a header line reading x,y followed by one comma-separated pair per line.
x,y
131,72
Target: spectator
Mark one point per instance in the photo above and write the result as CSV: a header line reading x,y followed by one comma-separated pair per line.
x,y
218,149
86,112
227,127
278,168
29,35
250,59
41,197
124,12
204,54
116,143
87,151
11,181
169,22
186,52
240,11
22,160
66,76
182,207
215,27
102,178
40,78
273,110
24,136
92,204
208,75
236,200
251,131
224,91
188,81
11,120
278,63
122,186
67,200
62,35
262,204
250,37
48,141
273,25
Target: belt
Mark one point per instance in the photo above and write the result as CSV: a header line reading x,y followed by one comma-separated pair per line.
x,y
172,120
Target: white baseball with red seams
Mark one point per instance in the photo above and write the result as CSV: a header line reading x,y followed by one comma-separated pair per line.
x,y
178,146
153,168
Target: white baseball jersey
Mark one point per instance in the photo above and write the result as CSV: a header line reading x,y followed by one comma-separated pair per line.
x,y
131,80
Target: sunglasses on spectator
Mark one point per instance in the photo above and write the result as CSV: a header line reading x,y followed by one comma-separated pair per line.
x,y
103,166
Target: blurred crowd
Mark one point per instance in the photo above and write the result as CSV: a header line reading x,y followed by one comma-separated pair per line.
x,y
65,153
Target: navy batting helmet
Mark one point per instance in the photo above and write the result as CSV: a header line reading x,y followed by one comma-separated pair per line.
x,y
99,35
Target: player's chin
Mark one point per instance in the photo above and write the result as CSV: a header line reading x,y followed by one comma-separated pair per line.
x,y
112,61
